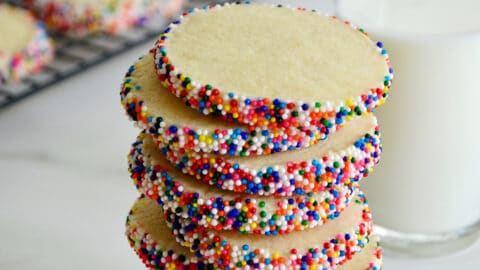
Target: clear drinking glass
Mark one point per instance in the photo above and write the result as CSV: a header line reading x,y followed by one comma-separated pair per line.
x,y
425,192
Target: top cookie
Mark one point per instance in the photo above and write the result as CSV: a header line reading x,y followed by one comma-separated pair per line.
x,y
272,66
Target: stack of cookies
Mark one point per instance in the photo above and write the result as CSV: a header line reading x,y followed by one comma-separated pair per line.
x,y
257,127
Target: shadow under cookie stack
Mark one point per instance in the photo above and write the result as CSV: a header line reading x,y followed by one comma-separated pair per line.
x,y
257,128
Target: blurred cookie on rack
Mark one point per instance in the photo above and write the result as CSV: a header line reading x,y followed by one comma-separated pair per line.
x,y
24,45
80,17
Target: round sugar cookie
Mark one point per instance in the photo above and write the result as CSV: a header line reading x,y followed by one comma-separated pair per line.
x,y
80,17
164,116
219,209
348,155
328,246
24,47
151,239
272,66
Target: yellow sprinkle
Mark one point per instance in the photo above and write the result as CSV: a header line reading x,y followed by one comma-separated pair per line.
x,y
350,102
226,107
201,138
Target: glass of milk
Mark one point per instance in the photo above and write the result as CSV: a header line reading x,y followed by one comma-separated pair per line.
x,y
425,193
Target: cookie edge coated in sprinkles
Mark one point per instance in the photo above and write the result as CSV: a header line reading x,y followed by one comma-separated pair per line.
x,y
210,244
292,178
242,141
151,253
244,213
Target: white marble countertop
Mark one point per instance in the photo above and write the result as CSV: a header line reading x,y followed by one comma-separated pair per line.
x,y
64,185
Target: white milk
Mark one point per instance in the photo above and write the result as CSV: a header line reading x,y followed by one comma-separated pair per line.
x,y
428,180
